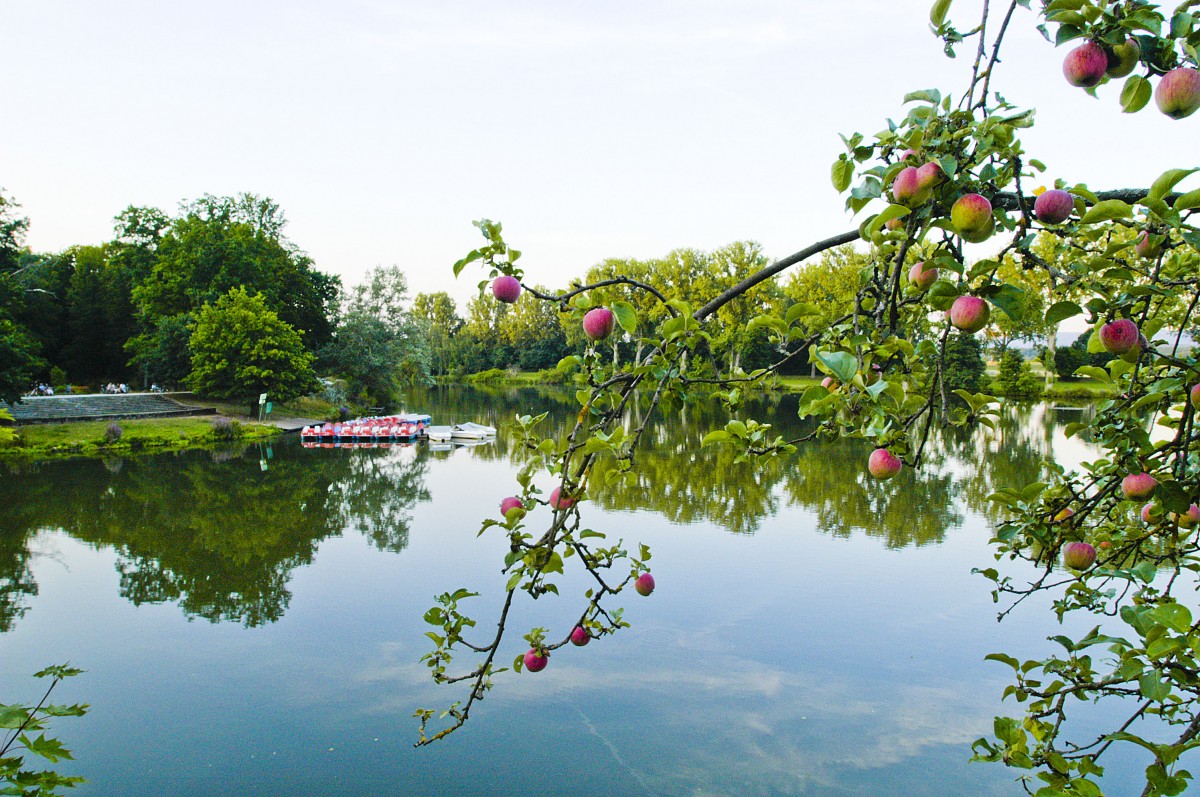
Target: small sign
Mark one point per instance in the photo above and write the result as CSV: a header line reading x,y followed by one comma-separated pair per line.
x,y
262,398
268,408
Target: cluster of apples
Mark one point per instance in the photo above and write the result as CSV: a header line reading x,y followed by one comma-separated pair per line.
x,y
536,659
1177,93
597,322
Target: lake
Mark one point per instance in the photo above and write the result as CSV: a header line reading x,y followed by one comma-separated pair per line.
x,y
251,621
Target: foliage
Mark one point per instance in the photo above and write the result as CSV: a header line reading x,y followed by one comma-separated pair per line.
x,y
241,349
113,432
943,175
18,723
963,367
1015,378
1070,359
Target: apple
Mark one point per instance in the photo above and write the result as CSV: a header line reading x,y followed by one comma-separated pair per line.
x,y
598,323
829,383
883,464
1178,93
1122,58
895,224
580,636
922,277
536,662
644,584
930,175
1146,247
510,503
1120,336
1188,519
560,501
1085,65
907,189
1151,514
971,215
1078,555
1054,206
908,153
1138,486
970,314
1064,514
1194,395
506,288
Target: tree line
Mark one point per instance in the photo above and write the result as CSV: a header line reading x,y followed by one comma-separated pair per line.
x,y
217,299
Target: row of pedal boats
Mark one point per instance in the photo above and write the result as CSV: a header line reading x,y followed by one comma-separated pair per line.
x,y
386,428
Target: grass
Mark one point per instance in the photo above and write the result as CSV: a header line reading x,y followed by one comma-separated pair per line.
x,y
89,438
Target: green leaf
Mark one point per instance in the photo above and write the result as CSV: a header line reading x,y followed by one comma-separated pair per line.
x,y
842,173
1167,180
937,14
1135,94
1174,616
931,96
1188,201
627,317
717,436
1093,372
843,364
1011,300
1060,311
1152,687
470,258
1108,210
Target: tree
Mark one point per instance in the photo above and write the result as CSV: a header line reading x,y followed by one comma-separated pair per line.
x,y
241,349
19,358
437,318
218,243
942,175
378,345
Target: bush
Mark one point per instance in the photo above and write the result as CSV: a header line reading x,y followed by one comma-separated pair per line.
x,y
1016,378
223,428
113,433
1069,359
964,364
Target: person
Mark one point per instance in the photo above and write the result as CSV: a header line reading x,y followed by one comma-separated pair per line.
x,y
124,388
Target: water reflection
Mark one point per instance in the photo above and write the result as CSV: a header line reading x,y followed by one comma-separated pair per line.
x,y
221,536
213,532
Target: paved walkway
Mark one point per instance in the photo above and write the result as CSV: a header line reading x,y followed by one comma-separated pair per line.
x,y
98,406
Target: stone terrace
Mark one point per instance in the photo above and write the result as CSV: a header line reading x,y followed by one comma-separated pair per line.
x,y
96,406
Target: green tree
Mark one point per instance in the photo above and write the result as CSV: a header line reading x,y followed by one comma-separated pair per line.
x,y
437,319
19,350
240,348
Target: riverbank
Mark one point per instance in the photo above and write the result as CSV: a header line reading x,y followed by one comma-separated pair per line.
x,y
132,436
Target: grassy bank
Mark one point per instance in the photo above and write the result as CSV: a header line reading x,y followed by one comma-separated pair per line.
x,y
99,438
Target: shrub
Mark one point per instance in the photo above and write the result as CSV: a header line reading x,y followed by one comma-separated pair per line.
x,y
113,433
223,428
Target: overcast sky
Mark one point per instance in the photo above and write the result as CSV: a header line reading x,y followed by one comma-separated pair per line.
x,y
590,129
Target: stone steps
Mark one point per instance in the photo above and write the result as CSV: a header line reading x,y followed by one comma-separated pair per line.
x,y
96,406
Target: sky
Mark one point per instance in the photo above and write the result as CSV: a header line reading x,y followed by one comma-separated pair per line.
x,y
625,128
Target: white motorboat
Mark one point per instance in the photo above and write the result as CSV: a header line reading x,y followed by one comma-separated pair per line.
x,y
471,431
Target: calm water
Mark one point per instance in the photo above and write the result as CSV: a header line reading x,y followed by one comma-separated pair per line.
x,y
250,623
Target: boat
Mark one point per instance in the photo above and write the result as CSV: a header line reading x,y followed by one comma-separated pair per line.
x,y
405,426
471,431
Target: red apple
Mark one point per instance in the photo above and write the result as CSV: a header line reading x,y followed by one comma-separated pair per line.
x,y
510,503
506,288
930,175
580,636
1054,206
1194,395
1151,513
560,501
598,323
536,662
1078,555
921,276
829,383
1178,93
1138,486
1064,514
644,584
1122,58
970,314
1084,66
1147,247
1120,336
971,215
1188,519
907,189
883,464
